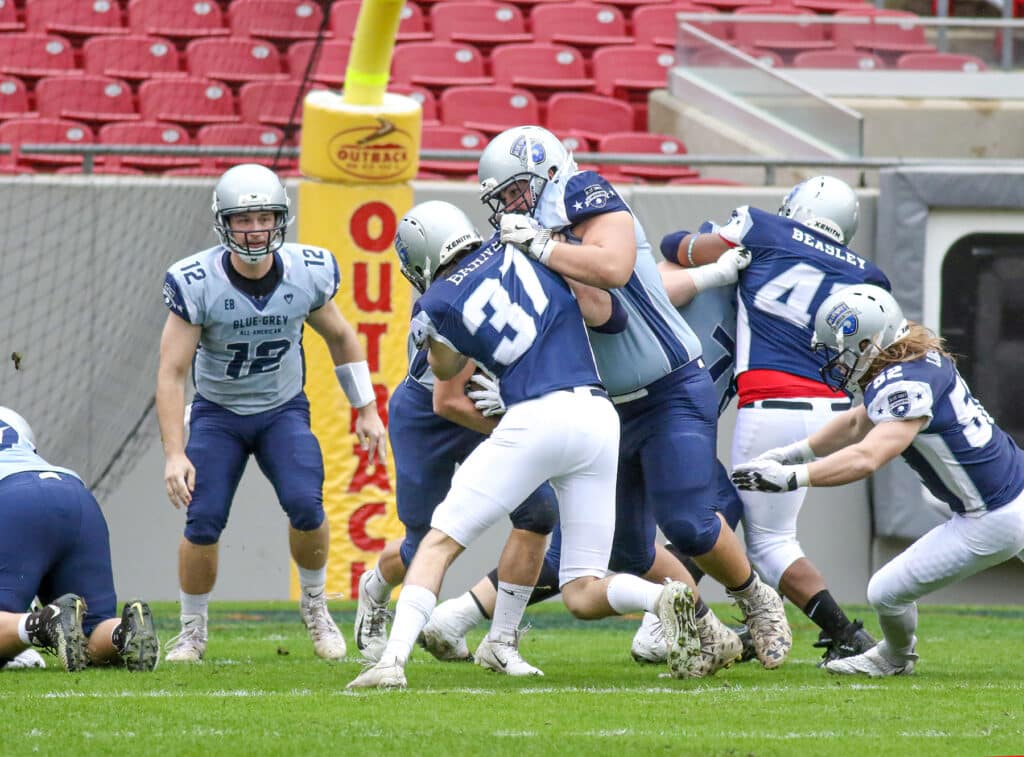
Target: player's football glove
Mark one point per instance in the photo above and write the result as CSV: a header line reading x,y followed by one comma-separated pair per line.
x,y
486,395
724,271
791,454
526,234
769,476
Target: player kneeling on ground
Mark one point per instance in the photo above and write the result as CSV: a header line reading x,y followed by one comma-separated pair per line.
x,y
56,546
915,405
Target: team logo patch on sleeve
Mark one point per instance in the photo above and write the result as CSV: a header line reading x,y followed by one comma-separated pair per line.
x,y
899,404
597,195
172,297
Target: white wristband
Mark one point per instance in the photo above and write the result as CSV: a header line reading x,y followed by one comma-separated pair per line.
x,y
355,382
713,275
803,476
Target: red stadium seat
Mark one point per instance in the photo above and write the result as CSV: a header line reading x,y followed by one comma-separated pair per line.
x,y
74,18
235,59
437,65
584,26
727,6
9,17
89,98
21,131
103,168
489,109
832,6
178,19
780,37
30,55
881,38
713,56
940,62
423,96
632,6
542,68
481,24
13,98
153,133
272,102
656,24
279,20
592,116
645,143
187,100
331,61
411,26
845,59
132,57
239,135
631,71
451,138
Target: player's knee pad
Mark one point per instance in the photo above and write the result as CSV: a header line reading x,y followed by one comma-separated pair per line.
x,y
204,529
538,513
771,553
636,561
693,533
305,513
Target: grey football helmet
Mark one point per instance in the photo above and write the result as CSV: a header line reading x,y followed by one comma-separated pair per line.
x,y
851,328
247,188
429,236
825,204
523,153
9,419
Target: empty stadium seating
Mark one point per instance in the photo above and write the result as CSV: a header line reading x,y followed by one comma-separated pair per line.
x,y
443,137
13,98
645,143
280,21
489,109
849,59
179,19
187,100
411,26
940,62
542,68
30,55
592,116
157,133
782,38
234,59
437,65
331,60
21,131
238,135
881,38
480,24
584,26
133,56
91,98
9,20
75,18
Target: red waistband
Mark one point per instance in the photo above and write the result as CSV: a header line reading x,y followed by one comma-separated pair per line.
x,y
765,384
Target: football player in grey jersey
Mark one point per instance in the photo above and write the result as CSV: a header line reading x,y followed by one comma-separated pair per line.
x,y
237,311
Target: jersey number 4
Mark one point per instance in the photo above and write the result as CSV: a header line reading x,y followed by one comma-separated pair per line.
x,y
791,294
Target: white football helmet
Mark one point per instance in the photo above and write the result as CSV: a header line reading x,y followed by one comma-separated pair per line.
x,y
825,204
429,236
250,188
13,421
851,328
522,153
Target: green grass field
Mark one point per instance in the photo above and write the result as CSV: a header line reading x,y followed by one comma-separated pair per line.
x,y
261,691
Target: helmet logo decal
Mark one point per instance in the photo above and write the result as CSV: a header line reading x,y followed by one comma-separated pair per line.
x,y
254,198
842,319
537,154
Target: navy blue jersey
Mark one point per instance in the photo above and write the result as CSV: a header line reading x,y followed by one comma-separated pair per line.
x,y
513,316
712,316
793,269
963,458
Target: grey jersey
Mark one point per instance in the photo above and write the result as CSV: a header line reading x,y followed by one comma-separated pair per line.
x,y
657,340
17,455
249,358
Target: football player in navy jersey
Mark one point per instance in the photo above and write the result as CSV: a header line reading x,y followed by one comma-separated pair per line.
x,y
236,317
798,258
54,544
575,223
915,405
520,321
433,426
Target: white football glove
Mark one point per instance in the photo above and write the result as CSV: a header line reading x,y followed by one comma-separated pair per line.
x,y
791,454
526,234
724,271
769,476
487,397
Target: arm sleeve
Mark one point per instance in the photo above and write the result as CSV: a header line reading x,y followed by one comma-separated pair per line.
x,y
670,245
616,322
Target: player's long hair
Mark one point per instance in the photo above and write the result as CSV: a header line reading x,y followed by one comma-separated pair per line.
x,y
918,342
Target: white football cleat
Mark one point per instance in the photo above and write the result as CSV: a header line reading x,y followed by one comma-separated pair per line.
x,y
328,643
649,641
386,674
371,626
28,658
190,644
765,616
445,644
875,663
502,656
675,608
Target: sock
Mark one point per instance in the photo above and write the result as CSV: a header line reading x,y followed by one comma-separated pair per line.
x,y
508,609
415,604
22,630
827,614
117,637
480,605
312,581
628,593
701,609
687,562
194,604
376,587
743,586
898,631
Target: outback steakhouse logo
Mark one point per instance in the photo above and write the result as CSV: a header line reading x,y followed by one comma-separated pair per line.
x,y
376,152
